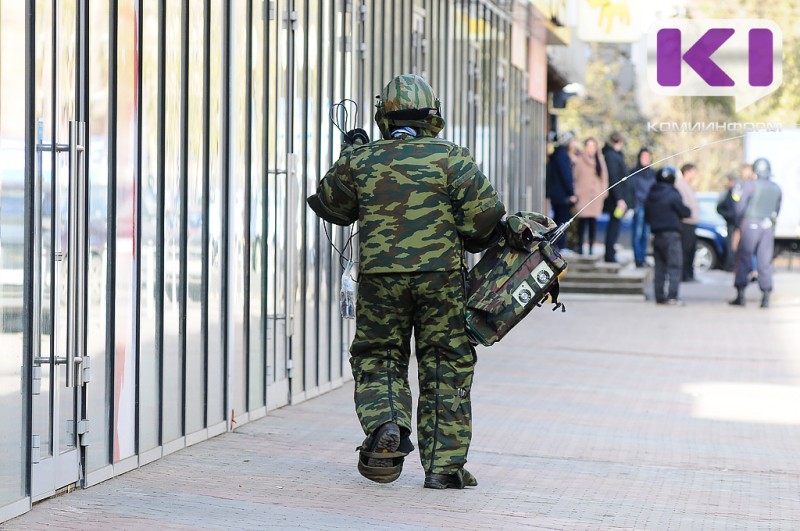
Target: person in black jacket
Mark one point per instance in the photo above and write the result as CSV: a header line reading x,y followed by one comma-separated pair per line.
x,y
559,182
663,210
726,207
617,201
641,181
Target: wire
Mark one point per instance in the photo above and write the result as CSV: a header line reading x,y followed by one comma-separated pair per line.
x,y
336,111
345,254
341,108
348,246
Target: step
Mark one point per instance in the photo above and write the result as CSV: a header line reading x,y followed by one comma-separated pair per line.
x,y
604,288
599,266
590,261
603,279
620,273
583,258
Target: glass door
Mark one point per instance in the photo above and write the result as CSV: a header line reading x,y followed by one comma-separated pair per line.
x,y
60,368
281,249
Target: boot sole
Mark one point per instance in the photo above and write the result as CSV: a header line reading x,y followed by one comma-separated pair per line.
x,y
388,441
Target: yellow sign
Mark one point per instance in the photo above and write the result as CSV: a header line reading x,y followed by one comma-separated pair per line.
x,y
610,20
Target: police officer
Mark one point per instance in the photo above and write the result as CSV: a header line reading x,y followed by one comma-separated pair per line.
x,y
420,202
757,205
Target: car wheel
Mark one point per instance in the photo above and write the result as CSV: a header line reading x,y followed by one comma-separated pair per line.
x,y
705,258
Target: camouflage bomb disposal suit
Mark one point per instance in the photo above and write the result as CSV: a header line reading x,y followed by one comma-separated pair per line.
x,y
415,199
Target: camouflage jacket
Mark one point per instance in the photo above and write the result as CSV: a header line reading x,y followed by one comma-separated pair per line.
x,y
414,199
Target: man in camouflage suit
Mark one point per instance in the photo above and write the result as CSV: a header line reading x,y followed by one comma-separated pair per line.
x,y
420,202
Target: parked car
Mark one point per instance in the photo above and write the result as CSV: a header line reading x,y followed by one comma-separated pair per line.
x,y
711,232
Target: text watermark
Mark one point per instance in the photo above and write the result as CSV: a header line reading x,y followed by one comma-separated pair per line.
x,y
713,127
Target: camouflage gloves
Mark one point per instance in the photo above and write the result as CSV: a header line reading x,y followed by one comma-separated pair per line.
x,y
523,229
517,234
520,231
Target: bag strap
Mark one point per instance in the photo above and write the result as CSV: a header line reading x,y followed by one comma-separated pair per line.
x,y
554,292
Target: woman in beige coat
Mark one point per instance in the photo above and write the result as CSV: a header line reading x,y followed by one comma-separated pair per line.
x,y
591,180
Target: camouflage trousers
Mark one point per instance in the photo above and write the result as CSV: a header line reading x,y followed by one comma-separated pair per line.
x,y
432,305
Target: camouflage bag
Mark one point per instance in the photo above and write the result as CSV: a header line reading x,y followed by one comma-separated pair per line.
x,y
512,278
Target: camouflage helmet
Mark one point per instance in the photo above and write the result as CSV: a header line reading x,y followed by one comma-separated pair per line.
x,y
408,100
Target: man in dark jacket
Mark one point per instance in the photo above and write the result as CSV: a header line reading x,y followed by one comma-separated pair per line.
x,y
663,210
726,207
559,183
617,201
642,179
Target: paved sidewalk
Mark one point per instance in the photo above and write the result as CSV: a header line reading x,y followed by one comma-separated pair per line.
x,y
618,414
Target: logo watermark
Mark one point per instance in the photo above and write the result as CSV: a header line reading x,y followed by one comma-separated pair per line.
x,y
714,127
742,58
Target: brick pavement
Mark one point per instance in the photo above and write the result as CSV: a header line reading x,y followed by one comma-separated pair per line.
x,y
626,415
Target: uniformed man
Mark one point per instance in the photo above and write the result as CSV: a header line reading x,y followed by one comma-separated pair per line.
x,y
757,205
420,202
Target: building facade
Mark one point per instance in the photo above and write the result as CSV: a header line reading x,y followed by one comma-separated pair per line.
x,y
161,280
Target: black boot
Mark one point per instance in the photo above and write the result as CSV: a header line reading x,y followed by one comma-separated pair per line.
x,y
765,299
739,300
458,480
